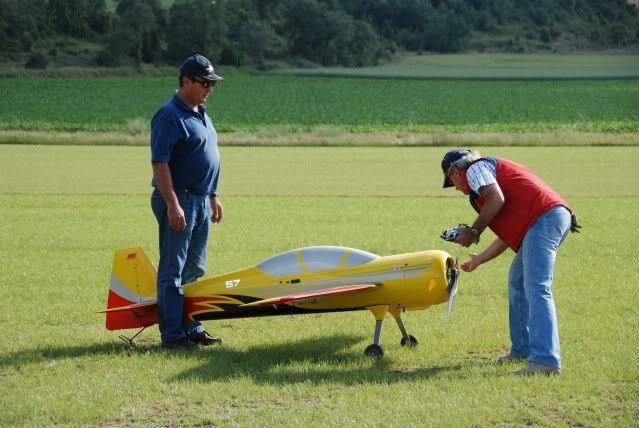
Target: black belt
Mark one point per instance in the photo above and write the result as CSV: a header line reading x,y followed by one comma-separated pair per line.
x,y
188,190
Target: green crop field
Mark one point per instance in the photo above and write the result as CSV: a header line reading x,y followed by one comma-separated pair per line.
x,y
64,210
280,104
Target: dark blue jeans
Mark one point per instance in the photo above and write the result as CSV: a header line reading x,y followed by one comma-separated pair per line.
x,y
182,260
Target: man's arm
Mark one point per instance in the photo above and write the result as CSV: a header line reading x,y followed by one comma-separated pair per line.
x,y
495,249
162,176
494,198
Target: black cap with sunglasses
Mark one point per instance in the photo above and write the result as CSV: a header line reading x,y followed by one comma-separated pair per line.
x,y
450,157
199,66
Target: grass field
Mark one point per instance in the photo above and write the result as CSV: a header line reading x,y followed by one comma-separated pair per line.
x,y
65,209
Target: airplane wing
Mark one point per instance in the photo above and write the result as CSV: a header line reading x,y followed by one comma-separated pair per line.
x,y
334,291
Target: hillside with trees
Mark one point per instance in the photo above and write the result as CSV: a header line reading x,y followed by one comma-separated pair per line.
x,y
270,33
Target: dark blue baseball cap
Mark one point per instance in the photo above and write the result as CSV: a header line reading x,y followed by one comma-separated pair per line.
x,y
199,66
450,157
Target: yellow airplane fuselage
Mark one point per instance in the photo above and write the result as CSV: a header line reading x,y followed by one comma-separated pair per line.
x,y
405,282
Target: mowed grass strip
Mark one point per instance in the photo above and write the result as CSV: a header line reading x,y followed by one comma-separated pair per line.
x,y
59,366
296,104
331,136
310,171
489,66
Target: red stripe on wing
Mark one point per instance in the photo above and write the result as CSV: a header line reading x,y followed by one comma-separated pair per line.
x,y
334,291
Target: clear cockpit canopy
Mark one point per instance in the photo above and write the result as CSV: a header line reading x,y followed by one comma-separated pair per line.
x,y
314,259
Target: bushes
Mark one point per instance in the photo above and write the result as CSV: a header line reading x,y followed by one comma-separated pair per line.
x,y
326,32
37,59
617,33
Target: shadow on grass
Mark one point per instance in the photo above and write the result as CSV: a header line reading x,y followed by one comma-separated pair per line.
x,y
57,353
316,360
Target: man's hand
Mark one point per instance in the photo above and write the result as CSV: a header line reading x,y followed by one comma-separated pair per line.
x,y
466,237
471,264
217,211
177,221
174,211
495,249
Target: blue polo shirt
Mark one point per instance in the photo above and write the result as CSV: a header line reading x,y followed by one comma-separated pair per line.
x,y
187,141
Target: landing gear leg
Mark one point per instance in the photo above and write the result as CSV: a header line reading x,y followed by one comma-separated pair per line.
x,y
407,339
375,350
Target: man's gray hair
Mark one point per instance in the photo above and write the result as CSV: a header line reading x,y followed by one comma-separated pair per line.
x,y
463,162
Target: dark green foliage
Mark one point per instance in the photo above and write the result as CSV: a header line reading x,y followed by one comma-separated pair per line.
x,y
20,16
329,36
327,32
194,26
230,56
79,18
485,21
26,40
67,16
137,35
617,33
37,59
53,52
446,31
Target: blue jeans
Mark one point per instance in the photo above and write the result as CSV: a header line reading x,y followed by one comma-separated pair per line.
x,y
182,260
533,320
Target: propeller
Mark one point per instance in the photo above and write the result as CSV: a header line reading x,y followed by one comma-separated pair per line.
x,y
452,284
450,235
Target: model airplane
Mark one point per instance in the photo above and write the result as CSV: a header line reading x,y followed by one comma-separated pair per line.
x,y
301,281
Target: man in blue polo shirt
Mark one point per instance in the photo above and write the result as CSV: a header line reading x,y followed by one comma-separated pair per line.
x,y
186,169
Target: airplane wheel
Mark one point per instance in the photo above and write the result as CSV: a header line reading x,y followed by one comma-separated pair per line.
x,y
412,341
374,351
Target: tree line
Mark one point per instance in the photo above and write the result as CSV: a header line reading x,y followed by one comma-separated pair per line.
x,y
298,32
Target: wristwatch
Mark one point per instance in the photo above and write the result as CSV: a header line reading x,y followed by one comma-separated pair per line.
x,y
475,232
213,195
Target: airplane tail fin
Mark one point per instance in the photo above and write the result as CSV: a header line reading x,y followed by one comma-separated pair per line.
x,y
132,293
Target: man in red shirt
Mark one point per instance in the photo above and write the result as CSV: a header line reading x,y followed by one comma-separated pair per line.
x,y
533,220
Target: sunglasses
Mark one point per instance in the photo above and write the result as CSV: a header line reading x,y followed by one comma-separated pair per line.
x,y
449,173
205,83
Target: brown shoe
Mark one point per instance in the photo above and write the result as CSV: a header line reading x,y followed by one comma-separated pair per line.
x,y
510,358
183,343
536,368
204,338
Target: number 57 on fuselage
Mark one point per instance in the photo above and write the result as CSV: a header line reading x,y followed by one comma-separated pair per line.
x,y
301,281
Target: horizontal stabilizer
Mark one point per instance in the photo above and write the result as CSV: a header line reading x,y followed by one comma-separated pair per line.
x,y
139,307
131,316
334,291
